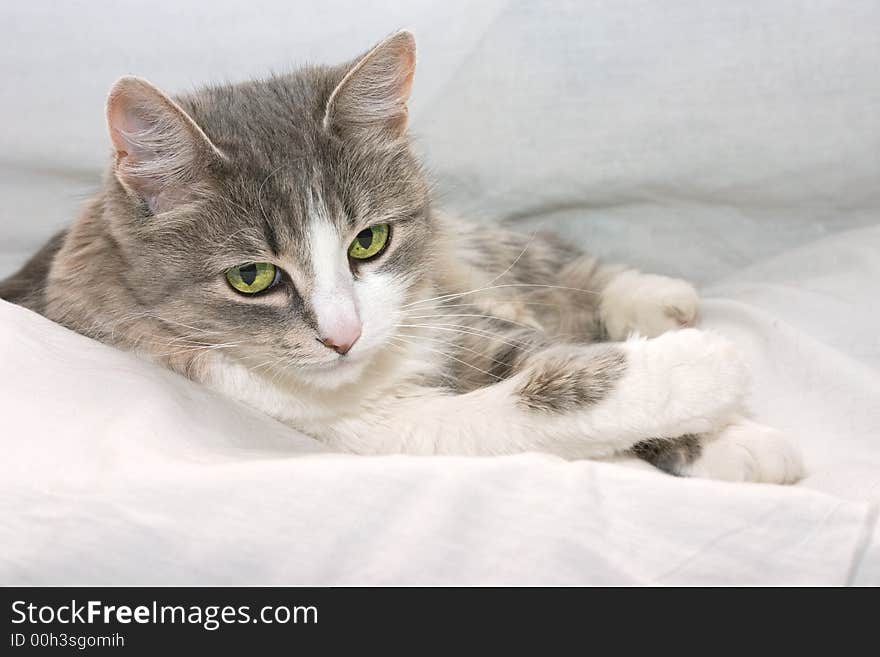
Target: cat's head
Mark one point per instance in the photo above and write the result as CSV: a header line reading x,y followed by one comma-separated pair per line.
x,y
284,222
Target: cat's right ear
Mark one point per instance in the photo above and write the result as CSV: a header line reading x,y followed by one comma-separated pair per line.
x,y
371,100
159,149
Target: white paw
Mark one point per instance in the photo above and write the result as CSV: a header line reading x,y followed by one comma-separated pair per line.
x,y
647,304
683,382
747,451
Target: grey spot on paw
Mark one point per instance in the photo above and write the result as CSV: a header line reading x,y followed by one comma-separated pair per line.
x,y
669,454
565,383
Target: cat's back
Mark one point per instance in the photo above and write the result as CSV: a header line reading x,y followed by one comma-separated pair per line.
x,y
27,286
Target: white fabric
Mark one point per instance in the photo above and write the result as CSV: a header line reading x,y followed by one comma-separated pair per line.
x,y
734,144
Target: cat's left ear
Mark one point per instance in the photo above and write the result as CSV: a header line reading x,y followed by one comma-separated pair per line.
x,y
160,152
371,98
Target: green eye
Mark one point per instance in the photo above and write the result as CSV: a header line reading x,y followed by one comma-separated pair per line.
x,y
370,242
253,278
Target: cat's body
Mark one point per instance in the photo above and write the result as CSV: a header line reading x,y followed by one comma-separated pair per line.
x,y
450,338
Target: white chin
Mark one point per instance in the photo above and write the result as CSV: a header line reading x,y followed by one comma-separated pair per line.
x,y
335,374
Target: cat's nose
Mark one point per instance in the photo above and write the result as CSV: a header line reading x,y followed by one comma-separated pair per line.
x,y
342,341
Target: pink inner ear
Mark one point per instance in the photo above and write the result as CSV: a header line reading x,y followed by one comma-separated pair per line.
x,y
133,161
374,93
407,70
134,119
159,149
124,126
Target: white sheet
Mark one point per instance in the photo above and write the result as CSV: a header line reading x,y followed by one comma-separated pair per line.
x,y
736,145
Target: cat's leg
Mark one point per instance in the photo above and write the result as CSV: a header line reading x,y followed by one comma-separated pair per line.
x,y
577,401
746,451
621,300
741,451
650,305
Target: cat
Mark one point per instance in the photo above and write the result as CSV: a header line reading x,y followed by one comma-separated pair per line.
x,y
276,241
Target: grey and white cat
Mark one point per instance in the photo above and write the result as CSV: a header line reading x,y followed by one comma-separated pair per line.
x,y
275,240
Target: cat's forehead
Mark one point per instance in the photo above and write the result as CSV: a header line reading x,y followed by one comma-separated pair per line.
x,y
274,211
284,173
262,113
284,194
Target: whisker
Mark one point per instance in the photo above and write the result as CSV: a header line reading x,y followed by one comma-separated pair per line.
x,y
475,304
454,345
495,317
192,349
512,264
466,327
517,343
517,259
457,295
462,362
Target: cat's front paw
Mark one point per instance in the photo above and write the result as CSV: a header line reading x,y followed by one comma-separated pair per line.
x,y
647,304
684,382
747,451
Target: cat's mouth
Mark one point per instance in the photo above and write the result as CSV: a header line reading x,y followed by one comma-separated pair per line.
x,y
344,363
338,363
334,373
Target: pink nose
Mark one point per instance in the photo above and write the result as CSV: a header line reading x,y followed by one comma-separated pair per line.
x,y
343,341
